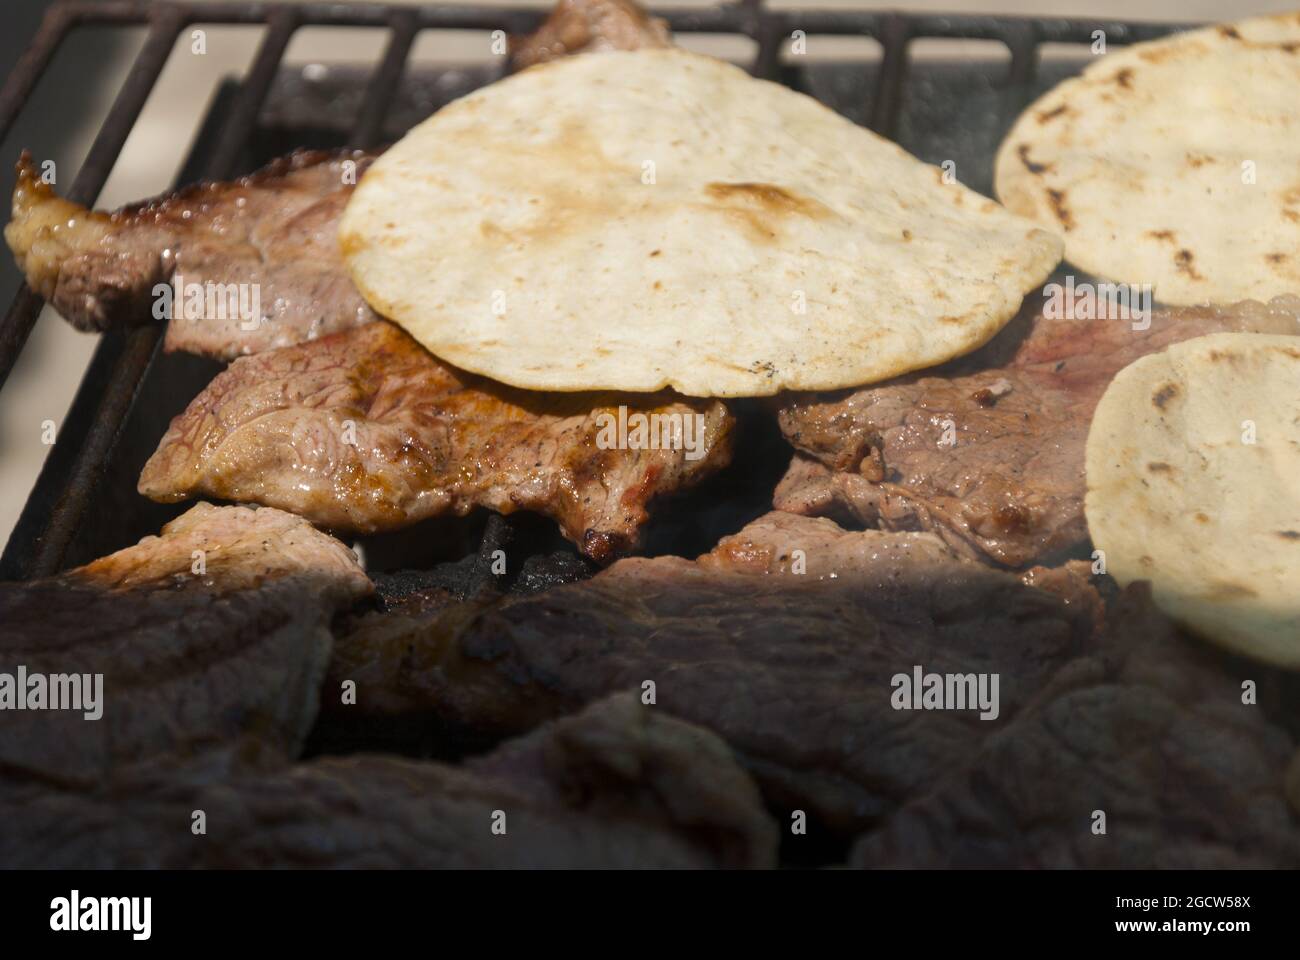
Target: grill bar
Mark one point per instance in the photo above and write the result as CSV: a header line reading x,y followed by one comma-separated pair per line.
x,y
75,466
31,66
99,162
894,36
129,368
374,106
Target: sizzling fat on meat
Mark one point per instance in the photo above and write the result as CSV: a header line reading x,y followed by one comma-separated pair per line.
x,y
619,785
212,636
589,26
792,669
987,451
366,431
273,231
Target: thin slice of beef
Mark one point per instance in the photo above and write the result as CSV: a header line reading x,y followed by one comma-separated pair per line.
x,y
1154,735
619,785
793,669
589,26
366,431
988,451
274,232
214,635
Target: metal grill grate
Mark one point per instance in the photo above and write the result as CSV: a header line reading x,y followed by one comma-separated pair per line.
x,y
76,467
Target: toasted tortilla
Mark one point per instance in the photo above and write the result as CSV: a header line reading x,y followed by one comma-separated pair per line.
x,y
1193,469
650,219
1174,163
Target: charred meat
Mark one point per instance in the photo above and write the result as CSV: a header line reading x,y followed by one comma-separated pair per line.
x,y
1154,735
213,636
273,232
619,785
784,641
987,452
367,431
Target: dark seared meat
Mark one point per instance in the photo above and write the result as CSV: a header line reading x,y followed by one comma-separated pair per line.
x,y
1010,488
620,785
589,26
1156,736
793,670
424,439
274,229
229,658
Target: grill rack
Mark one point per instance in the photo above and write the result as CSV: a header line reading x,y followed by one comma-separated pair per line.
x,y
74,469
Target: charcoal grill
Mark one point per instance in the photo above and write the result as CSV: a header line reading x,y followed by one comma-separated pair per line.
x,y
84,503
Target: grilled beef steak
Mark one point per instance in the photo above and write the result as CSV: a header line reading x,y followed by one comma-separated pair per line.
x,y
589,26
1155,736
620,785
273,231
213,635
792,669
987,451
367,431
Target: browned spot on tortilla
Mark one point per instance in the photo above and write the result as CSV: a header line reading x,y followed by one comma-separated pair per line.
x,y
1202,518
1023,152
1229,32
950,320
1124,78
1275,258
1183,261
1291,215
1157,54
655,253
1057,199
761,207
659,285
907,234
1166,235
1158,466
1289,534
1289,47
1227,590
1049,115
1146,561
1164,395
1198,160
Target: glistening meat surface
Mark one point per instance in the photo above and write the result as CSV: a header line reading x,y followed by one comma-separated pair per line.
x,y
274,231
987,451
366,431
792,669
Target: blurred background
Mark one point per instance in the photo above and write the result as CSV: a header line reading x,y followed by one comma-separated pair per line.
x,y
63,116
